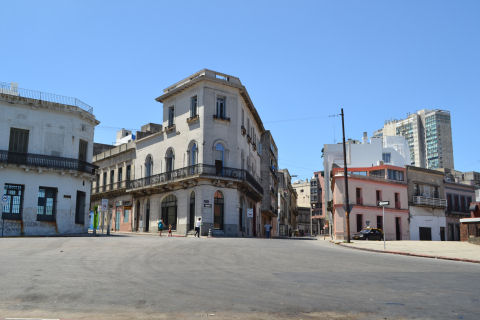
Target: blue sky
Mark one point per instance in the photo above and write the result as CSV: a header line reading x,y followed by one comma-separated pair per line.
x,y
300,61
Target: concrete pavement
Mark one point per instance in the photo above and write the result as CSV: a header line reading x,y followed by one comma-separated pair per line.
x,y
451,250
146,277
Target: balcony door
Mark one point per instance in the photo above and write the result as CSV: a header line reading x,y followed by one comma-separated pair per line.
x,y
18,146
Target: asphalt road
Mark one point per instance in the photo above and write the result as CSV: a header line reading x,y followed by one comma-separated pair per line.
x,y
147,277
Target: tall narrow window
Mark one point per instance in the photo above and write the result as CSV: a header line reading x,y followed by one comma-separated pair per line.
x,y
148,166
120,174
397,200
82,150
169,160
359,196
12,209
378,195
18,140
18,146
171,115
128,173
47,202
221,108
193,154
104,186
219,158
80,208
193,106
218,211
112,178
243,118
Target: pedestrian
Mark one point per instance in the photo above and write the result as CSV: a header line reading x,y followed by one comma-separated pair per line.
x,y
197,227
169,230
160,227
267,230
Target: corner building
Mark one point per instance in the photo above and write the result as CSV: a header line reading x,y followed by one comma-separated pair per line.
x,y
46,146
204,160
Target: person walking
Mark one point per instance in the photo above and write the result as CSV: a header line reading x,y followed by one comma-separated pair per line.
x,y
267,230
169,230
160,227
198,223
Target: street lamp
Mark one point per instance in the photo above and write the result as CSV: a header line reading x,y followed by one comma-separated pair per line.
x,y
383,204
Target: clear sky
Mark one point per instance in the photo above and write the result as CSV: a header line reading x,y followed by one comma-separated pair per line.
x,y
299,60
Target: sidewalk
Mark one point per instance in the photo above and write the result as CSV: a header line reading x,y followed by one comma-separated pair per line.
x,y
449,250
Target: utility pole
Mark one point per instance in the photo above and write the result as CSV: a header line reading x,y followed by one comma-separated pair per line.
x,y
347,202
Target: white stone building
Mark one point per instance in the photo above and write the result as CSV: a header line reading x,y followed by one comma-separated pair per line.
x,y
46,145
204,161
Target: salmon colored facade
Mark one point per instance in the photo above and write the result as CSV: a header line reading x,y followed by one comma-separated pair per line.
x,y
366,187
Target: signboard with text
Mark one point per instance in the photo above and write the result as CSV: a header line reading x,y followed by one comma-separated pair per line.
x,y
250,213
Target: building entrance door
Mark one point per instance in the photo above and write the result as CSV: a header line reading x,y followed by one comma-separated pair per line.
x,y
147,216
398,235
425,233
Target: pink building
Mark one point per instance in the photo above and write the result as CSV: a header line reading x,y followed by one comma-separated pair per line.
x,y
366,187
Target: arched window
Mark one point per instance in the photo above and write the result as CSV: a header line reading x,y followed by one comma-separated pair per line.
x,y
169,160
218,210
219,158
169,211
193,154
191,216
148,166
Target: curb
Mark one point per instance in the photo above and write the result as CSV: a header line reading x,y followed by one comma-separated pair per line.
x,y
412,254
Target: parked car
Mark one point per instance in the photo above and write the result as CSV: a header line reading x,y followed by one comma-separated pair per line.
x,y
369,234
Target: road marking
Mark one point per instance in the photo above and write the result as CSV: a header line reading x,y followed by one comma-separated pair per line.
x,y
29,319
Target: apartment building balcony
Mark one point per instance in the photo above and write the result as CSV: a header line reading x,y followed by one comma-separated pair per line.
x,y
46,161
430,202
182,177
108,190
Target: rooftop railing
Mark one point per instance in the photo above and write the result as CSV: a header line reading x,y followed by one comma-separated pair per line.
x,y
14,90
200,170
45,161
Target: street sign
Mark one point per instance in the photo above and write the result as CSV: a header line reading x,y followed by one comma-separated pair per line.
x,y
250,213
104,205
4,200
383,203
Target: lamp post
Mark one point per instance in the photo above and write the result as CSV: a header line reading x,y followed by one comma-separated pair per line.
x,y
383,204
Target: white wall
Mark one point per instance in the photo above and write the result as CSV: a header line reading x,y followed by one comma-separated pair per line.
x,y
419,217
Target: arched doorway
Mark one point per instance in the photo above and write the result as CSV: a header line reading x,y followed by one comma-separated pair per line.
x,y
191,216
169,211
218,211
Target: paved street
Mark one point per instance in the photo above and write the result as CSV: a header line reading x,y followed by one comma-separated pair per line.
x,y
147,277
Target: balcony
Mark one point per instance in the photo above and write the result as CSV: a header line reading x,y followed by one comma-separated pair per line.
x,y
117,186
45,161
426,201
199,170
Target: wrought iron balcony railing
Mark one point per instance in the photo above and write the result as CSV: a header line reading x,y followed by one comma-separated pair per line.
x,y
10,89
427,201
120,185
196,170
45,161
